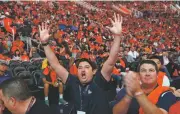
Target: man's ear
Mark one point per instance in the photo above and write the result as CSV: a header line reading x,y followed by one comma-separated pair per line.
x,y
12,101
94,71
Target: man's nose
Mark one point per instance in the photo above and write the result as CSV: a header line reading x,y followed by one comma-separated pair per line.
x,y
147,73
83,69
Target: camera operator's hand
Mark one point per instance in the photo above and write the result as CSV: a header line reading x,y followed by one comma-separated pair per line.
x,y
44,32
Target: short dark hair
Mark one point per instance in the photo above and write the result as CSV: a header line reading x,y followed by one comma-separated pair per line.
x,y
92,64
15,87
157,57
148,62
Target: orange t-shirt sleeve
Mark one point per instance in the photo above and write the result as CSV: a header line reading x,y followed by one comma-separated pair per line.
x,y
46,71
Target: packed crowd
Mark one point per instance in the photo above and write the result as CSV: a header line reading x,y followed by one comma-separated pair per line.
x,y
76,40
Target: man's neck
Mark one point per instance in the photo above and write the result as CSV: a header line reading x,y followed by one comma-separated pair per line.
x,y
148,88
24,106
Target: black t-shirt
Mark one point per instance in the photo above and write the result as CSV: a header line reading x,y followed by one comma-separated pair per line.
x,y
39,107
91,98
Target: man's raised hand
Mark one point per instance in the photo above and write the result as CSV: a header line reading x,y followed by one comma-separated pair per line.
x,y
117,24
44,32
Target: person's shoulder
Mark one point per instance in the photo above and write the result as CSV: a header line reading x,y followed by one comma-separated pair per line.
x,y
40,108
71,79
167,94
166,100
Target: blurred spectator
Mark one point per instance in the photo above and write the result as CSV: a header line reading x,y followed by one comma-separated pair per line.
x,y
128,57
133,53
17,44
17,98
17,55
4,73
24,56
162,77
33,53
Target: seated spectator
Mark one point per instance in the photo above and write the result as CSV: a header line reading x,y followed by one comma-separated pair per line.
x,y
133,53
142,94
128,58
17,45
33,53
24,56
16,97
17,55
51,79
162,77
4,73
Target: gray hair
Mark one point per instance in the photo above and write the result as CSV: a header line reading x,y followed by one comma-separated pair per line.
x,y
15,87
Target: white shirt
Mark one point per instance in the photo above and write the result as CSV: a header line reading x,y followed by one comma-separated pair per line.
x,y
166,81
166,60
133,54
16,58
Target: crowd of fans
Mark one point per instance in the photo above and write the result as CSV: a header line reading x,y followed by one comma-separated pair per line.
x,y
81,30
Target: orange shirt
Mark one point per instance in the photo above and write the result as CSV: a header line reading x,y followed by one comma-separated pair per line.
x,y
174,109
52,73
85,55
36,21
25,58
7,25
80,35
154,96
116,71
99,39
160,77
73,70
122,63
18,43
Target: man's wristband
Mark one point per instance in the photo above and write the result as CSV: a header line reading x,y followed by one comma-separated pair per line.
x,y
117,34
138,93
45,43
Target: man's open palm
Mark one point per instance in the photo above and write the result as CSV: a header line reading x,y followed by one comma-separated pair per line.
x,y
44,32
117,24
